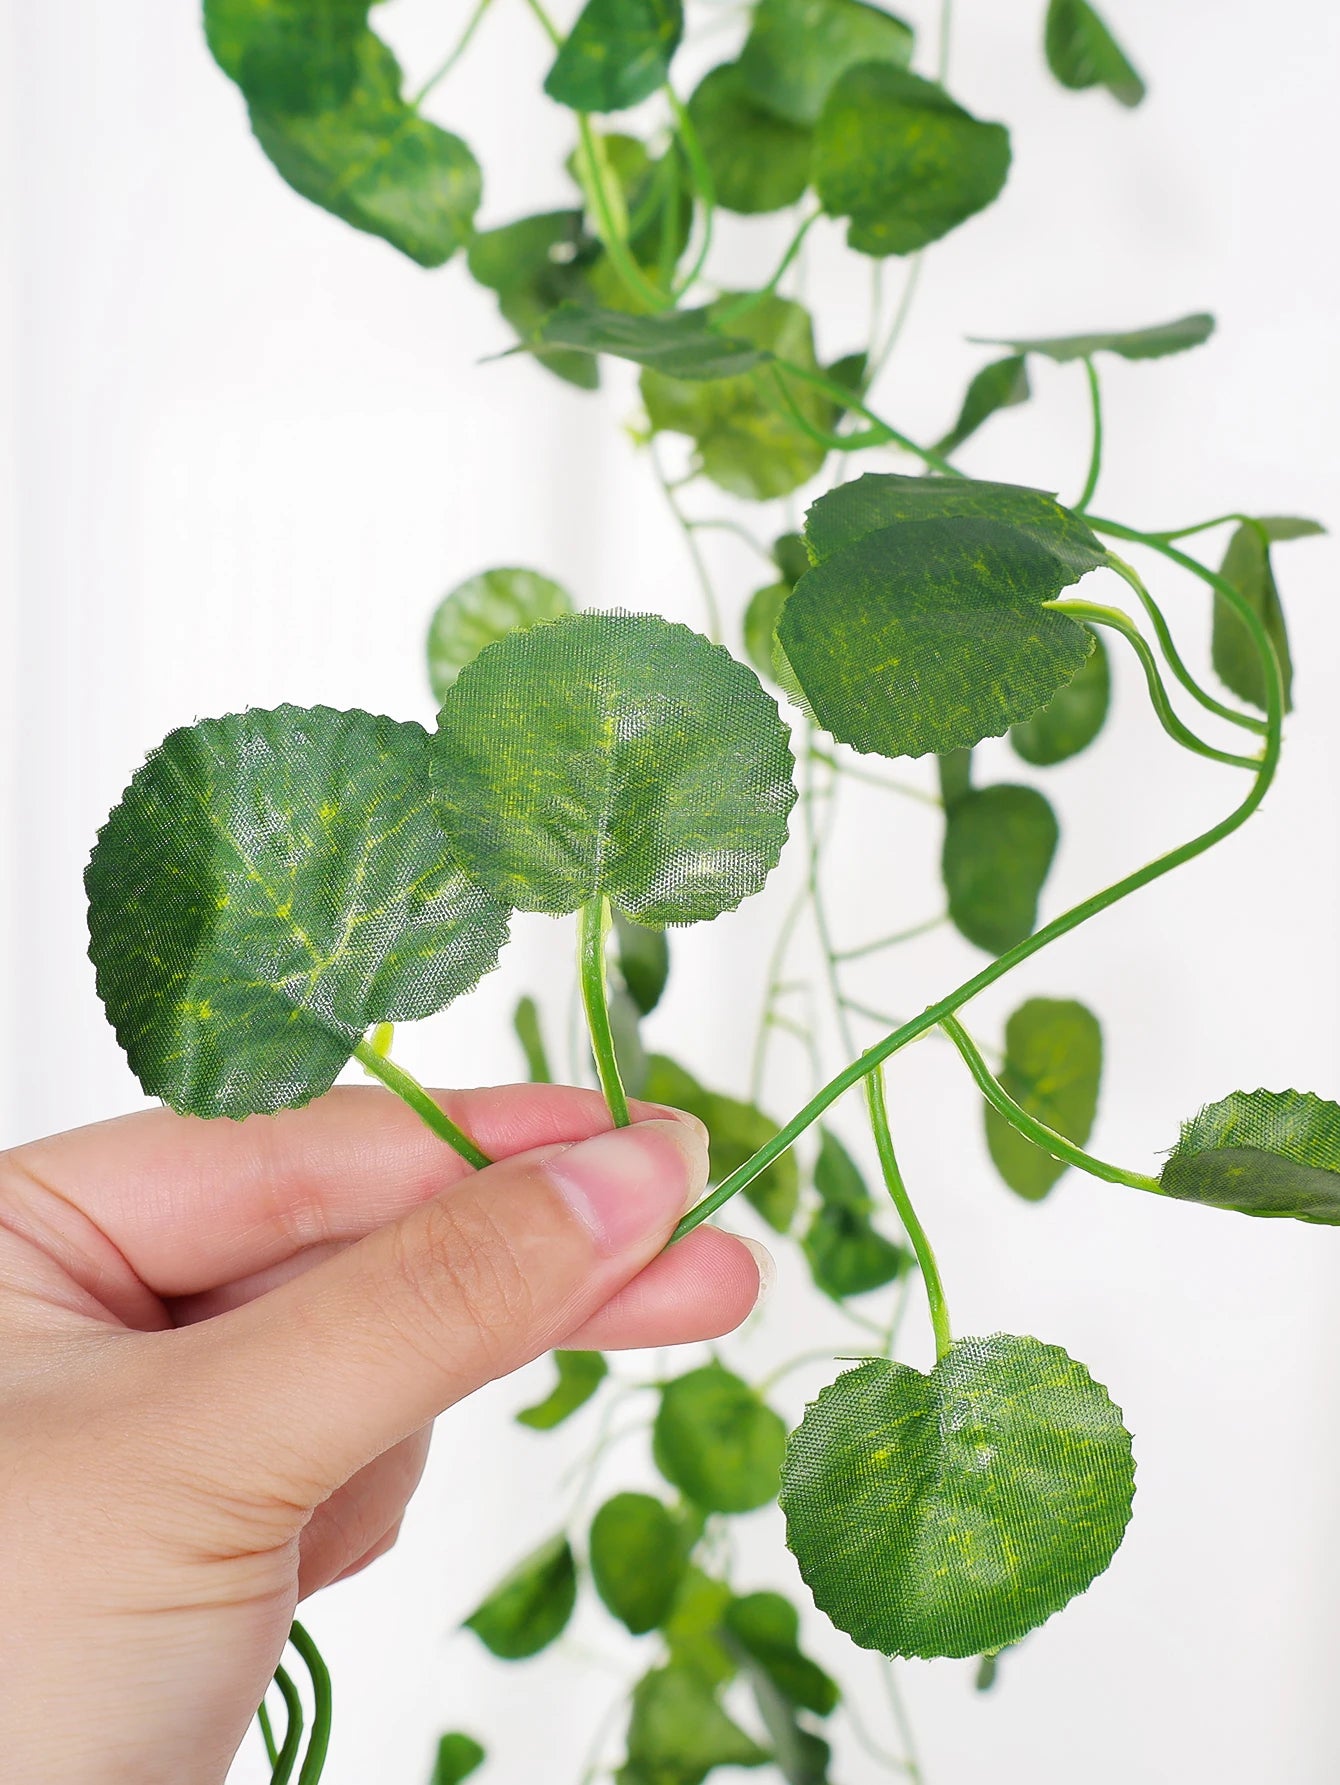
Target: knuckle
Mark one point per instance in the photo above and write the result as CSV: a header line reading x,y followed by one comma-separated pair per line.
x,y
464,1274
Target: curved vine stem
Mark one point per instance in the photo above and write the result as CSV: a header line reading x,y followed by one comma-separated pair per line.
x,y
593,926
1096,451
318,1744
907,1214
611,230
440,74
410,1091
284,1759
703,186
687,528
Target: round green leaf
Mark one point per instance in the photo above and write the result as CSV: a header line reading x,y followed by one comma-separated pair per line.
x,y
530,1608
679,1733
1248,567
458,1756
580,1374
270,886
797,49
846,1255
758,161
637,1559
948,1514
767,1627
1053,1067
482,610
616,55
693,1631
1082,52
1273,1153
791,555
717,1442
642,956
1073,717
897,156
534,265
1155,342
760,625
615,755
736,1131
998,849
295,56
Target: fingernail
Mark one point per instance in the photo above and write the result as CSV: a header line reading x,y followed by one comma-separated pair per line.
x,y
632,1183
767,1267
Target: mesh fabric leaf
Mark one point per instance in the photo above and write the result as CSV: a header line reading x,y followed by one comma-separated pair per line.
x,y
637,1559
1274,1153
483,609
948,1514
1082,52
758,161
271,885
1155,342
615,755
617,54
1073,717
797,49
580,1374
530,1608
717,1442
1053,1067
998,849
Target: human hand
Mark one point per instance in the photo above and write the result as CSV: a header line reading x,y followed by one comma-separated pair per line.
x,y
221,1349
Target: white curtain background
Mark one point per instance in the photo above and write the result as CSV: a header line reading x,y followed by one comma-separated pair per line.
x,y
245,451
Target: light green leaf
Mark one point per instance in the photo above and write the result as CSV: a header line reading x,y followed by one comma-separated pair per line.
x,y
1072,719
534,265
530,1608
1053,1067
897,156
747,438
681,344
846,1255
1082,52
758,161
767,1626
483,609
737,1130
760,625
458,1756
1001,385
642,956
717,1442
1155,342
797,49
947,1514
998,849
580,1374
693,1631
637,1560
293,56
1273,1153
615,755
616,55
1248,567
526,1024
271,885
656,197
374,162
679,1732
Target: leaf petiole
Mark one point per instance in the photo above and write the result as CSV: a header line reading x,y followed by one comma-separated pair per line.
x,y
319,1741
405,1086
1096,451
593,927
285,1758
907,1214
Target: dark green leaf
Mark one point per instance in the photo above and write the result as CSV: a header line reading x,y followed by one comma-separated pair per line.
x,y
800,1757
616,55
656,198
530,1608
526,1023
534,265
271,885
998,848
1261,1153
626,1033
846,1255
1248,567
760,625
949,1514
717,1442
767,1626
693,1630
457,1757
482,610
374,162
580,1374
850,371
1053,1067
790,553
1001,385
637,1560
797,49
681,344
1155,342
1082,52
293,56
737,1130
679,1732
758,161
1072,719
642,956
897,156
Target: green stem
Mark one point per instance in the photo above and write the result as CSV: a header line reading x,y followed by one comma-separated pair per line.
x,y
776,964
267,1733
881,355
1029,1126
699,563
702,184
611,231
593,926
893,941
547,25
1220,520
283,1762
318,1742
869,780
410,1091
730,313
1094,615
462,44
897,1189
715,524
1096,451
880,433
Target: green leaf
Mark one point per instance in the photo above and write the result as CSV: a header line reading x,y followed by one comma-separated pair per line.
x,y
1082,52
845,1253
271,885
1001,385
760,625
737,1130
580,1374
748,440
1053,1067
483,609
530,1608
693,1630
948,1514
681,344
1272,1153
1072,719
374,162
758,161
1155,342
790,553
921,627
797,49
294,56
656,197
526,1024
717,1442
679,1732
642,956
767,1626
1248,567
998,849
626,1033
534,265
897,156
637,1560
615,755
457,1757
616,55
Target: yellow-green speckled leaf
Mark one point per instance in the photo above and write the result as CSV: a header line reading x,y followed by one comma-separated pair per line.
x,y
617,53
948,1514
297,56
797,49
758,162
1273,1153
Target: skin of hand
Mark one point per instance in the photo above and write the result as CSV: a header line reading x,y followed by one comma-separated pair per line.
x,y
222,1346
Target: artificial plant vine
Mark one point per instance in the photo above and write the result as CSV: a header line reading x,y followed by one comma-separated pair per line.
x,y
277,889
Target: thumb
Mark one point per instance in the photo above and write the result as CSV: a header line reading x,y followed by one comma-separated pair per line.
x,y
309,1383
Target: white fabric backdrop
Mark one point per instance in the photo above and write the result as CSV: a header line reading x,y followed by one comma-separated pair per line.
x,y
247,449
